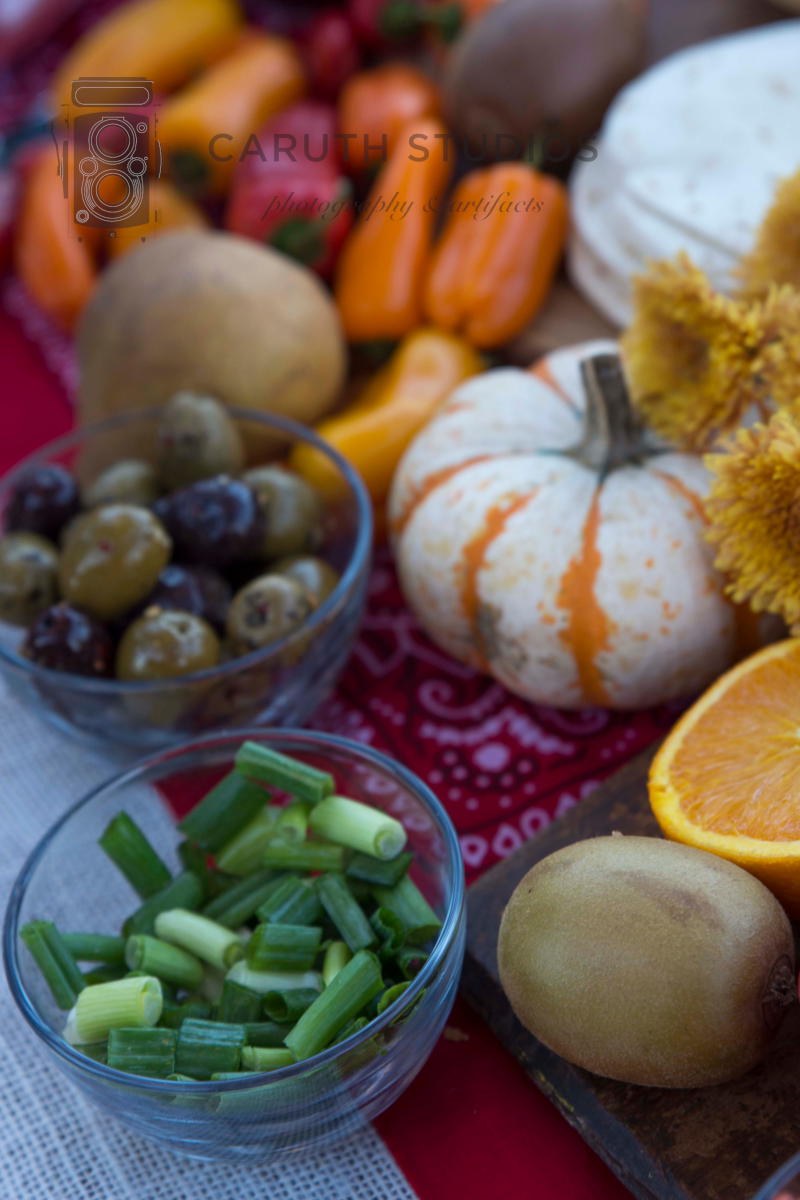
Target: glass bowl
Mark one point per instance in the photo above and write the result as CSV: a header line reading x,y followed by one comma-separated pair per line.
x,y
784,1184
68,879
279,685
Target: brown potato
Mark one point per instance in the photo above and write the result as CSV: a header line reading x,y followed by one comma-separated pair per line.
x,y
214,314
647,961
533,66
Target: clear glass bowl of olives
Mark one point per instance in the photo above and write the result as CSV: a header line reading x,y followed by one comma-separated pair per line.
x,y
164,573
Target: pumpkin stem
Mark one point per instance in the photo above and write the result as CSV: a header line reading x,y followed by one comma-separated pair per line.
x,y
613,435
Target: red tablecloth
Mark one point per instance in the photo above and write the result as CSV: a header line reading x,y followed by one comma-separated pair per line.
x,y
472,1124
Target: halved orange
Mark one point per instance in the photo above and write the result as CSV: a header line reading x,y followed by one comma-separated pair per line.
x,y
727,779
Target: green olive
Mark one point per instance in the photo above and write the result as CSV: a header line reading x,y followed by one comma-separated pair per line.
x,y
291,507
164,643
28,577
314,574
265,610
111,559
130,481
197,439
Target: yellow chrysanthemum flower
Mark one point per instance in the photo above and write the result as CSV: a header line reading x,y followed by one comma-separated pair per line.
x,y
753,509
775,258
698,361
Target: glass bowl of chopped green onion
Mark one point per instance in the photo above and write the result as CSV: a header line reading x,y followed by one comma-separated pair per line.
x,y
264,976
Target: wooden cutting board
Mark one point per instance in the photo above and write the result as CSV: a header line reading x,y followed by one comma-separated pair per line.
x,y
718,1143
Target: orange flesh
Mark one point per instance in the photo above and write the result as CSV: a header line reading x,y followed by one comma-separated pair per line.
x,y
589,627
737,770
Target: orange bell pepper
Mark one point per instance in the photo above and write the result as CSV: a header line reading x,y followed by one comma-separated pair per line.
x,y
173,211
206,127
382,267
376,105
54,258
166,41
495,261
398,400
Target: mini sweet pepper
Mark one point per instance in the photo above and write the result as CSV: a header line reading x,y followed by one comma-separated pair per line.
x,y
165,41
289,191
495,261
56,260
398,400
376,105
206,128
382,267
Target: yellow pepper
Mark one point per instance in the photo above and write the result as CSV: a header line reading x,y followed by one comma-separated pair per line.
x,y
166,41
206,127
399,399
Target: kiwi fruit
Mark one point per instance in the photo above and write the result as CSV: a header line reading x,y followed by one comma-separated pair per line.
x,y
647,961
542,67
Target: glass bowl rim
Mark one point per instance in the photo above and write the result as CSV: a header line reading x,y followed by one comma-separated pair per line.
x,y
131,775
779,1179
332,603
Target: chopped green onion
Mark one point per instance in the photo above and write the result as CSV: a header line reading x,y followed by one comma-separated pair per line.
x,y
194,1008
411,960
350,823
281,947
242,854
215,944
238,904
167,990
288,1007
143,1051
126,845
239,1005
336,956
176,1078
264,1058
344,911
95,947
127,1003
195,859
287,774
58,967
292,825
293,902
206,1047
390,995
352,988
224,1076
378,871
145,953
308,856
185,891
221,813
104,974
97,1051
274,981
266,1033
407,902
354,1026
390,930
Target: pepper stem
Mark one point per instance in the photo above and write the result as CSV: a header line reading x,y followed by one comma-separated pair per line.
x,y
613,435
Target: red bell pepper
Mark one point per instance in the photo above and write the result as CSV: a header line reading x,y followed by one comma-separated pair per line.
x,y
381,24
331,53
288,190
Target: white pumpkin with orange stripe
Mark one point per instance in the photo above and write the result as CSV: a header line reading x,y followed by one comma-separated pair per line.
x,y
541,537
